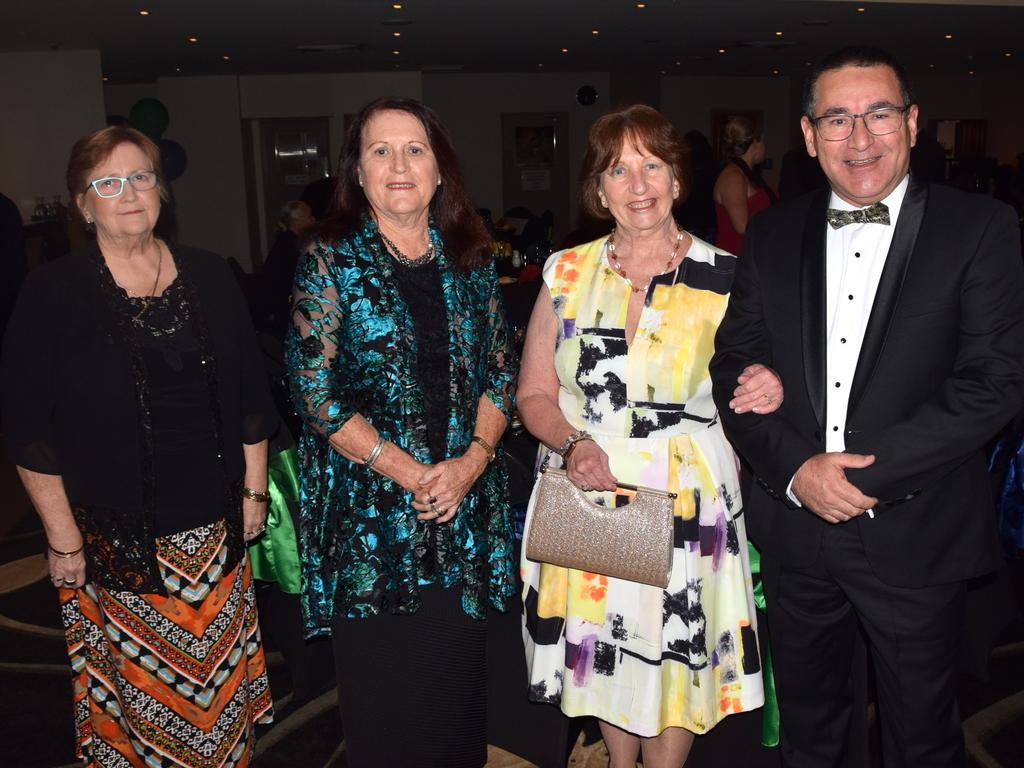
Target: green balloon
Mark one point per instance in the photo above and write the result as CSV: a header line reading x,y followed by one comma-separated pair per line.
x,y
151,117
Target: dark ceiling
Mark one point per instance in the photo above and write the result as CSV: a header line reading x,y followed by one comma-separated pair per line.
x,y
673,36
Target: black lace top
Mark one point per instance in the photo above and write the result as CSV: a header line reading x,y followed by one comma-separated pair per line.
x,y
184,440
80,400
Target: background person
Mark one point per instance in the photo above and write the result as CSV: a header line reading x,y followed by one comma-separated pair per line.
x,y
402,369
739,191
137,412
615,380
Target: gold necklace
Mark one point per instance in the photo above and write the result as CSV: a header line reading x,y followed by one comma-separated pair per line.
x,y
613,259
146,299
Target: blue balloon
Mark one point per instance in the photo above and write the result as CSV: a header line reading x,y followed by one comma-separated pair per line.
x,y
172,158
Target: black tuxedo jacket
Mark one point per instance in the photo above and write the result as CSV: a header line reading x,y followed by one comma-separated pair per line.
x,y
941,370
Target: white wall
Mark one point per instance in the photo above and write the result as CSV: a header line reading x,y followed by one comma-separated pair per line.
x,y
210,195
688,102
49,100
471,106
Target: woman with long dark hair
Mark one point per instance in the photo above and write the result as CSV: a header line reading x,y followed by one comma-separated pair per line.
x,y
402,370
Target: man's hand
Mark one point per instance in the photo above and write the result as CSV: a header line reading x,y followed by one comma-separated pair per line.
x,y
821,485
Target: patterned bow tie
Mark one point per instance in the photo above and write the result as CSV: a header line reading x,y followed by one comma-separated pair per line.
x,y
873,214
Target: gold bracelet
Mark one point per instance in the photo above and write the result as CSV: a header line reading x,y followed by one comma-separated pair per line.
x,y
65,555
252,493
488,448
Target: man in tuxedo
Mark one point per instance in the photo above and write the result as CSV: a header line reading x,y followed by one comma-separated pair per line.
x,y
891,309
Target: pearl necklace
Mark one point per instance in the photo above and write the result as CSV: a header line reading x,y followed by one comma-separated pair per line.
x,y
613,259
404,260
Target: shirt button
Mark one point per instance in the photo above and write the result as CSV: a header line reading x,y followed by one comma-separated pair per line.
x,y
837,385
857,255
835,429
842,341
850,297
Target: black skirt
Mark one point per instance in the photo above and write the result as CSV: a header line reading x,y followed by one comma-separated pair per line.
x,y
413,689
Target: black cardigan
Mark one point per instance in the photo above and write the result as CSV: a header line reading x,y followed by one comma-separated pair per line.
x,y
75,401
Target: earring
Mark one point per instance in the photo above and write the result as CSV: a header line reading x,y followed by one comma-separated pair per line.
x,y
675,190
604,201
439,182
88,219
360,182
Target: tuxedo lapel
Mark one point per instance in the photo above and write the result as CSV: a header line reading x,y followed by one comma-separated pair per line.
x,y
889,285
812,303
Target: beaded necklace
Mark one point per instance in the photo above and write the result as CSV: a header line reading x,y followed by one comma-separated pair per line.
x,y
404,260
613,259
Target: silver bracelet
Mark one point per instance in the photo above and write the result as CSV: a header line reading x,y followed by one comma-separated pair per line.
x,y
374,452
571,440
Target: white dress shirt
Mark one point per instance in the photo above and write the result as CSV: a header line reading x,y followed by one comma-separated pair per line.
x,y
854,258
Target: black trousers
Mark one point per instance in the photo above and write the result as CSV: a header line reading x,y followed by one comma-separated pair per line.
x,y
413,689
913,637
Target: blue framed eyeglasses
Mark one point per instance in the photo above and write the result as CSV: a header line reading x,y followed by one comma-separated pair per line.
x,y
112,186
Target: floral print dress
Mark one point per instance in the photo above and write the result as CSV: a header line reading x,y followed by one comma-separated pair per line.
x,y
637,656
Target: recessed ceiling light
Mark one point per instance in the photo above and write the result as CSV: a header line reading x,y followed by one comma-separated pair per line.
x,y
861,10
664,72
721,50
226,57
540,66
970,72
641,5
396,53
1007,54
679,63
565,50
949,37
778,34
595,31
177,69
105,78
143,13
193,39
396,34
397,6
775,71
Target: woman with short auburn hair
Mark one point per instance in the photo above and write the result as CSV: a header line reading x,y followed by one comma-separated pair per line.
x,y
615,384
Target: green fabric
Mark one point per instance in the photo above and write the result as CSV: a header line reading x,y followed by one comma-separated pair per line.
x,y
770,711
275,556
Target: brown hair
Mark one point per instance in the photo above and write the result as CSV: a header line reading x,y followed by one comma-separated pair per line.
x,y
738,134
463,231
643,126
89,151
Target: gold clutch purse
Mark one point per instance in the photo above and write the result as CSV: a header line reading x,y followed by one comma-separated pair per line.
x,y
633,542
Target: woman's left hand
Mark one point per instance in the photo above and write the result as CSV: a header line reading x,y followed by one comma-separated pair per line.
x,y
443,487
760,391
254,519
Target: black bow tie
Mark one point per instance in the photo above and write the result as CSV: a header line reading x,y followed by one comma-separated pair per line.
x,y
873,214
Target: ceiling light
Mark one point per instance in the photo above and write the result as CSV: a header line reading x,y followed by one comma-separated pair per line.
x,y
396,34
778,34
143,13
861,10
721,50
397,6
641,5
193,39
565,50
105,78
226,57
775,71
970,72
540,66
177,69
1007,54
595,31
949,37
931,66
679,63
396,53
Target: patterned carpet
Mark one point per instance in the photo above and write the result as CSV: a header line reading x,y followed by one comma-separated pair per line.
x,y
35,710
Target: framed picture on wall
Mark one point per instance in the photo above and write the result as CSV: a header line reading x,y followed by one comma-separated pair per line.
x,y
535,145
720,117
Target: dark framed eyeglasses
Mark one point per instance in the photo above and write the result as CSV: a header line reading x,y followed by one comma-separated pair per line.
x,y
879,122
112,186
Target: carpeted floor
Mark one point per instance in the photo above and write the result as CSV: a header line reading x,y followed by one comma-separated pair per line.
x,y
35,715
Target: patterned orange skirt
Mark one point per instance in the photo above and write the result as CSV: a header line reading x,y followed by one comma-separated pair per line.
x,y
177,680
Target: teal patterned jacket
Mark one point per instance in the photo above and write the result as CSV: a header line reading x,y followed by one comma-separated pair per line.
x,y
351,350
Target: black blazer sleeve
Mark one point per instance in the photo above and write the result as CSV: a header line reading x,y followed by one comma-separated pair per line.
x,y
770,443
